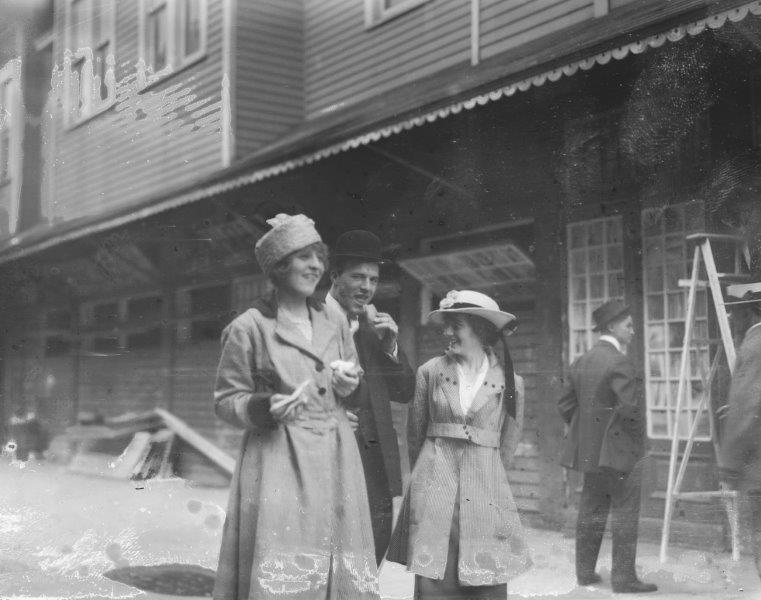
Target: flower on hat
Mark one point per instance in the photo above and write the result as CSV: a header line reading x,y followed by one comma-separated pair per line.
x,y
450,300
283,219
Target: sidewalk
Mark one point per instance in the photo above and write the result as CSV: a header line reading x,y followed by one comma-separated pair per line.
x,y
60,532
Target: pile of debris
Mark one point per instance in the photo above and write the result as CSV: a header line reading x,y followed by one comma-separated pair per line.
x,y
153,444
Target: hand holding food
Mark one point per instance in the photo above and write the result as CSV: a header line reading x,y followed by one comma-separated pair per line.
x,y
282,405
345,377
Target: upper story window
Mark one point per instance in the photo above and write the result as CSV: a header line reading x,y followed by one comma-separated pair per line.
x,y
380,11
89,58
172,35
7,89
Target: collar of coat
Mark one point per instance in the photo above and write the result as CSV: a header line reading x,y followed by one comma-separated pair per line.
x,y
493,382
323,330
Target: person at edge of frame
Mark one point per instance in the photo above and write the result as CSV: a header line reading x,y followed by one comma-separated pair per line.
x,y
740,442
602,404
459,530
298,519
354,275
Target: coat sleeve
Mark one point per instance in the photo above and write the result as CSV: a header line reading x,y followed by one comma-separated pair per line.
x,y
399,378
512,429
417,423
241,392
568,403
628,391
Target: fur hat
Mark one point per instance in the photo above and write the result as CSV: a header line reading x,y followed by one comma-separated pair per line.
x,y
288,234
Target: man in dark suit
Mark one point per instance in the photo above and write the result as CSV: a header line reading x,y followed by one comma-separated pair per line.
x,y
354,273
740,445
603,406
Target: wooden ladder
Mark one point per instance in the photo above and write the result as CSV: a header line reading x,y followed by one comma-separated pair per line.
x,y
730,498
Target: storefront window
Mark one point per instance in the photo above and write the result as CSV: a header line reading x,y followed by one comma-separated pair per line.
x,y
666,260
595,275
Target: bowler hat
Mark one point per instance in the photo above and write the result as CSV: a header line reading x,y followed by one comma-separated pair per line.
x,y
608,312
360,244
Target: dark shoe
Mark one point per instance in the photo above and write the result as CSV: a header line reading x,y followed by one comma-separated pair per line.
x,y
634,587
589,579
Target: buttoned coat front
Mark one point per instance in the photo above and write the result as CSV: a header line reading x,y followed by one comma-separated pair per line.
x,y
298,522
453,454
603,405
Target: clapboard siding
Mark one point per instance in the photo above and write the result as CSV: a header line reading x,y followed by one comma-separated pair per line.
x,y
505,26
269,55
115,158
345,60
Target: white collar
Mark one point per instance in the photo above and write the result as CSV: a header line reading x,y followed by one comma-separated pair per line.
x,y
611,340
335,304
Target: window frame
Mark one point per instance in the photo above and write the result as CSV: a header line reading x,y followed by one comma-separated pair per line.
x,y
591,303
91,107
176,59
376,13
12,122
665,354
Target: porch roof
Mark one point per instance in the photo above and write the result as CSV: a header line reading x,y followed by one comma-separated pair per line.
x,y
632,29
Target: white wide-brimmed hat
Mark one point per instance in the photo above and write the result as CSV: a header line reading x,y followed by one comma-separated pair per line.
x,y
472,303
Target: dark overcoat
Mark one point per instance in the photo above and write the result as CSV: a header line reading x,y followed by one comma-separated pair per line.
x,y
298,521
467,455
603,405
385,380
740,448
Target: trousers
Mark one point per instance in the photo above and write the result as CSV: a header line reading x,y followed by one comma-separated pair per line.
x,y
616,493
378,494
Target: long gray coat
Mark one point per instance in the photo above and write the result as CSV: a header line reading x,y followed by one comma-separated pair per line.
x,y
603,404
298,522
740,450
467,454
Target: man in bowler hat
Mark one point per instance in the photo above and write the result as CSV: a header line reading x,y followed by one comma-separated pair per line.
x,y
354,274
740,443
603,405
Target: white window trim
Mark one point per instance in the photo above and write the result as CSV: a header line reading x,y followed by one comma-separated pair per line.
x,y
590,336
377,14
10,74
175,61
91,107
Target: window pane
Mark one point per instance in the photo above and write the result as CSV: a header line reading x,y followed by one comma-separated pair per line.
x,y
654,307
655,336
596,261
595,233
659,423
99,69
675,248
673,274
653,251
192,26
79,25
597,286
578,262
615,285
157,38
654,279
615,258
676,304
657,365
676,335
578,288
579,315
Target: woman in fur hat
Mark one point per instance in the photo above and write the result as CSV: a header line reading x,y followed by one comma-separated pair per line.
x,y
459,530
298,522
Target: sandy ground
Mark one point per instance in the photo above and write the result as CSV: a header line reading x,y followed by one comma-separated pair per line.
x,y
60,532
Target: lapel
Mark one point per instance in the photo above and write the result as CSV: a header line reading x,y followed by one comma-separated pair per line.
x,y
493,382
323,331
450,385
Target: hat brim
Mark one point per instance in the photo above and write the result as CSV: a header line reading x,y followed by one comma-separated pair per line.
x,y
625,311
363,257
498,318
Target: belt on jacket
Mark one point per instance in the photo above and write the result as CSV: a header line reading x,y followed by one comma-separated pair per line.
x,y
480,437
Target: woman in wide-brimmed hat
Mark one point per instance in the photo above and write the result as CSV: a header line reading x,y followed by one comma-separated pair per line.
x,y
298,521
459,530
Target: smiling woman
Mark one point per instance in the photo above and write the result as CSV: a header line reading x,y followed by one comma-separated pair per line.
x,y
298,520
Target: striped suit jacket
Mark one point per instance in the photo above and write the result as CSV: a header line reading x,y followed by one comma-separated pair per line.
x,y
467,455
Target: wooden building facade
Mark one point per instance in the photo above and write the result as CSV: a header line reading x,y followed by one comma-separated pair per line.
x,y
551,153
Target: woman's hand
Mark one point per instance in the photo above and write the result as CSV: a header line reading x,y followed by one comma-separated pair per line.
x,y
282,406
344,382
